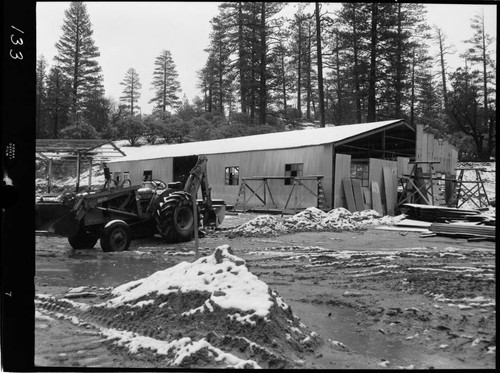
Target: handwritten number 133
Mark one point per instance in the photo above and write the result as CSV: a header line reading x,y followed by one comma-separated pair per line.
x,y
18,41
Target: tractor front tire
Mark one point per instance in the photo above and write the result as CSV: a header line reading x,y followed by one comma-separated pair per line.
x,y
175,219
116,237
82,240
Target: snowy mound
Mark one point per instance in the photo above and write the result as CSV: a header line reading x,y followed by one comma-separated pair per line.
x,y
311,219
262,225
308,220
210,313
222,275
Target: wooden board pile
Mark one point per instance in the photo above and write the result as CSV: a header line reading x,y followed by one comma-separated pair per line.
x,y
453,222
437,213
472,231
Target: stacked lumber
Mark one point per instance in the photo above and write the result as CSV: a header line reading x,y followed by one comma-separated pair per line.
x,y
437,213
465,230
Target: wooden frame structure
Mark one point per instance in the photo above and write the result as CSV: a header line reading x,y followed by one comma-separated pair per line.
x,y
74,150
298,182
476,193
418,185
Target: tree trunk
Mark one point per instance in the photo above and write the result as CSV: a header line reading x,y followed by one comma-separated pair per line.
x,y
399,67
263,51
221,93
283,78
412,98
252,68
357,84
299,70
308,75
372,117
241,61
443,70
485,76
75,71
320,71
339,85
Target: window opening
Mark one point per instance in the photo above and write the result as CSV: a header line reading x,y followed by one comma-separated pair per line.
x,y
117,176
147,175
232,175
360,171
292,170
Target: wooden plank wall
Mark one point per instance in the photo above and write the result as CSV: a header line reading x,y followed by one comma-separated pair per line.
x,y
403,166
429,148
342,170
375,173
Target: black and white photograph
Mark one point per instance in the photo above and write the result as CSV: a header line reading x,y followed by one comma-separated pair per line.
x,y
254,185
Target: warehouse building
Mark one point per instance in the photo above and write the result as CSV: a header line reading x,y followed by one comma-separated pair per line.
x,y
277,170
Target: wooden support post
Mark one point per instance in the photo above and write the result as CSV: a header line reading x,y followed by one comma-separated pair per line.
x,y
90,174
449,190
77,173
265,184
49,176
244,195
195,216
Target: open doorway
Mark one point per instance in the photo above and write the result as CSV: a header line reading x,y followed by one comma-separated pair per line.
x,y
182,166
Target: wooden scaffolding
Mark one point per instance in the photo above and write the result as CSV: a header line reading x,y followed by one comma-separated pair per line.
x,y
247,192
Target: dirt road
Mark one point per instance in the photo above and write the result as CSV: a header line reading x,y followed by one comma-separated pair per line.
x,y
380,299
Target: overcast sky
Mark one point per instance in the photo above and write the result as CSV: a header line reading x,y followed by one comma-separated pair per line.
x,y
132,34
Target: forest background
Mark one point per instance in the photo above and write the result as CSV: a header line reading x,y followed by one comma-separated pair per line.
x,y
274,66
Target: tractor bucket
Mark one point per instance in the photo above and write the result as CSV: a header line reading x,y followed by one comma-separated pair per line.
x,y
56,218
216,215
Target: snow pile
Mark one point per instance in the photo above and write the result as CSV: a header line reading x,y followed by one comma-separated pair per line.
x,y
262,225
341,219
222,274
312,219
209,313
308,220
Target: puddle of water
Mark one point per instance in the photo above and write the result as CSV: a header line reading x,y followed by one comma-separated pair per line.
x,y
342,326
102,270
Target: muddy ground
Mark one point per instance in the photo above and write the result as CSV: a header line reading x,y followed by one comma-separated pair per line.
x,y
381,299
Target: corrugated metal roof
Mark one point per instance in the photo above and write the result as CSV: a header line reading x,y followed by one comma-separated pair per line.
x,y
278,140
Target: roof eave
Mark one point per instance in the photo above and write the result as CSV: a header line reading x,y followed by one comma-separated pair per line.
x,y
374,131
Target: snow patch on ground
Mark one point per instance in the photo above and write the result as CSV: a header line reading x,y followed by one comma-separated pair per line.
x,y
179,349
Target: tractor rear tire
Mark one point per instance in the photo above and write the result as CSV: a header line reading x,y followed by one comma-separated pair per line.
x,y
175,219
82,240
116,237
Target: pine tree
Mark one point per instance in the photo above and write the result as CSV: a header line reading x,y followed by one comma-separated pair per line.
x,y
218,69
131,92
479,53
320,68
352,62
41,96
77,56
165,84
58,100
444,49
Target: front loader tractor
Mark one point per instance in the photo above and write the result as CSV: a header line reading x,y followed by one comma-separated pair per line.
x,y
117,215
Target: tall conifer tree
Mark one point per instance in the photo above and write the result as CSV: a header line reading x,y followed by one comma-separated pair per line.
x,y
131,92
77,57
165,84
